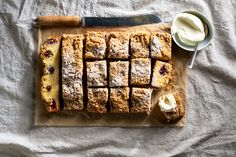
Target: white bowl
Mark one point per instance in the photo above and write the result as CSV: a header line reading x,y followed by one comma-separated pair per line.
x,y
207,39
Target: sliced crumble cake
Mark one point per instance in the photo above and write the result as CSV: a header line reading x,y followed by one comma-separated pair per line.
x,y
119,100
118,45
95,46
50,57
139,45
160,46
172,106
96,73
141,100
97,100
72,72
140,71
118,74
162,73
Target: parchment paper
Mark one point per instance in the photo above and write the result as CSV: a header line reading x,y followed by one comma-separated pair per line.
x,y
83,118
210,128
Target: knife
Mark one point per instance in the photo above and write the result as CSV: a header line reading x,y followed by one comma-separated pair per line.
x,y
96,21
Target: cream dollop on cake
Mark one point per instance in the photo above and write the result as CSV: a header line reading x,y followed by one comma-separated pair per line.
x,y
167,103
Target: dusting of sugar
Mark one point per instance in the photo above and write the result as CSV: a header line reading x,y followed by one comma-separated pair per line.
x,y
120,76
140,69
117,81
155,46
97,73
117,48
71,72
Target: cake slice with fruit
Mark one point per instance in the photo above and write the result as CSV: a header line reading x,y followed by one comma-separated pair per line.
x,y
172,106
162,74
50,57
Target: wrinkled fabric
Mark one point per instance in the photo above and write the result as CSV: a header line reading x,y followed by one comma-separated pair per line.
x,y
211,95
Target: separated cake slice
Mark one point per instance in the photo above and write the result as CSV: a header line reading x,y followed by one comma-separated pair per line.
x,y
97,100
140,71
172,106
119,100
141,100
161,46
118,45
96,73
50,57
139,44
119,74
162,73
72,72
95,45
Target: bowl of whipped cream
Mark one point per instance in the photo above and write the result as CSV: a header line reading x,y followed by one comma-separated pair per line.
x,y
191,28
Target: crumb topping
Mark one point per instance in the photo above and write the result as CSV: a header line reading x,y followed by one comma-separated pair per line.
x,y
140,71
96,73
72,71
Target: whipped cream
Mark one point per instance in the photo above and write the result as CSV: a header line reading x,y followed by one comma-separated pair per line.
x,y
189,28
167,103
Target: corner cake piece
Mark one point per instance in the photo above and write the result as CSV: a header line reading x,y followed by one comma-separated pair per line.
x,y
141,100
140,71
97,73
162,73
161,46
50,57
97,100
172,106
72,72
118,74
95,45
118,45
119,100
139,44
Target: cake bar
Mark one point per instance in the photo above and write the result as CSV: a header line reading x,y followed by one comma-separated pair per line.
x,y
162,73
72,72
118,74
139,44
95,46
97,100
96,73
119,100
50,57
141,100
140,71
160,46
179,110
118,45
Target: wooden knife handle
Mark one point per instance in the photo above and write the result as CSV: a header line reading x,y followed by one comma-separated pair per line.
x,y
59,21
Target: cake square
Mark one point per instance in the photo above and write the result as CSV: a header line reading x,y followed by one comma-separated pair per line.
x,y
95,46
173,108
118,45
160,46
72,72
96,73
97,100
140,71
119,74
139,44
119,100
162,73
141,100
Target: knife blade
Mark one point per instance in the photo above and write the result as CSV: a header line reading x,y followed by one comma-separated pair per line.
x,y
96,21
120,21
